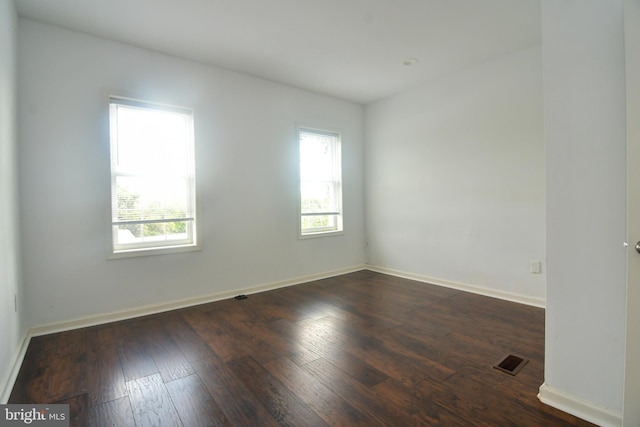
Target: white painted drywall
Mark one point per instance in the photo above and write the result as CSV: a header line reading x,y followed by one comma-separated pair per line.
x,y
246,176
455,177
584,115
11,327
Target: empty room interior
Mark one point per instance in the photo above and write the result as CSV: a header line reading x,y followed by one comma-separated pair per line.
x,y
346,212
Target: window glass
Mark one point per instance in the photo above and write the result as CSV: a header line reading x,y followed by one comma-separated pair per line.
x,y
152,176
320,182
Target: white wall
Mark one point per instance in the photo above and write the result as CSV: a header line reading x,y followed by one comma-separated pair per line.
x,y
584,113
11,327
246,174
455,178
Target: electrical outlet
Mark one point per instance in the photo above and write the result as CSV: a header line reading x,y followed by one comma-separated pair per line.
x,y
535,266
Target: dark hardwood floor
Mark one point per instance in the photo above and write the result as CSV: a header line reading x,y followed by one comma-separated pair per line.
x,y
363,349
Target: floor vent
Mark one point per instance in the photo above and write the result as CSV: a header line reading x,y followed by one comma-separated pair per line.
x,y
511,364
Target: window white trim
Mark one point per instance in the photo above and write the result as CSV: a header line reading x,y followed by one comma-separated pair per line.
x,y
182,176
332,182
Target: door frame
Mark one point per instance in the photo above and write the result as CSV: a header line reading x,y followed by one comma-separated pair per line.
x,y
631,408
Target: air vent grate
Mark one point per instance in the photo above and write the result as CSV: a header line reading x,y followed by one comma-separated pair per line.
x,y
511,364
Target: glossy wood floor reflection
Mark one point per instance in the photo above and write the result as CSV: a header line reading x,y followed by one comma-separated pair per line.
x,y
363,349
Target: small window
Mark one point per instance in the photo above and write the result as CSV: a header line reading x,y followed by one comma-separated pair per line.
x,y
320,182
152,178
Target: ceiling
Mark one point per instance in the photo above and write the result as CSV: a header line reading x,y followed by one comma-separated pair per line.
x,y
350,49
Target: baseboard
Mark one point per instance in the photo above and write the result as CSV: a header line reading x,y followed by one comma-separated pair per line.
x,y
6,386
508,296
581,409
174,305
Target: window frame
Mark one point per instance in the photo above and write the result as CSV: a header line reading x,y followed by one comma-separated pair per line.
x,y
193,241
338,229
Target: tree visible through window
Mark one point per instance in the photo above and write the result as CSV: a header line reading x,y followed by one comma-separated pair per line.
x,y
152,176
320,182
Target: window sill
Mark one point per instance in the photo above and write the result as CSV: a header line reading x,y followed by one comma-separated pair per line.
x,y
135,253
320,234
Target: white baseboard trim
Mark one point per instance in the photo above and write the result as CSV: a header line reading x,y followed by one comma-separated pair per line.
x,y
508,296
103,318
581,409
6,386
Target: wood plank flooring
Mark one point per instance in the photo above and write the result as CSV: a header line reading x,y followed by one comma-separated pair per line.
x,y
362,349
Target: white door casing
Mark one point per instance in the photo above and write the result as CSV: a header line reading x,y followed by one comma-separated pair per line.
x,y
631,412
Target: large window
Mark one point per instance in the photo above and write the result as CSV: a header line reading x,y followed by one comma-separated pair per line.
x,y
152,177
320,182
